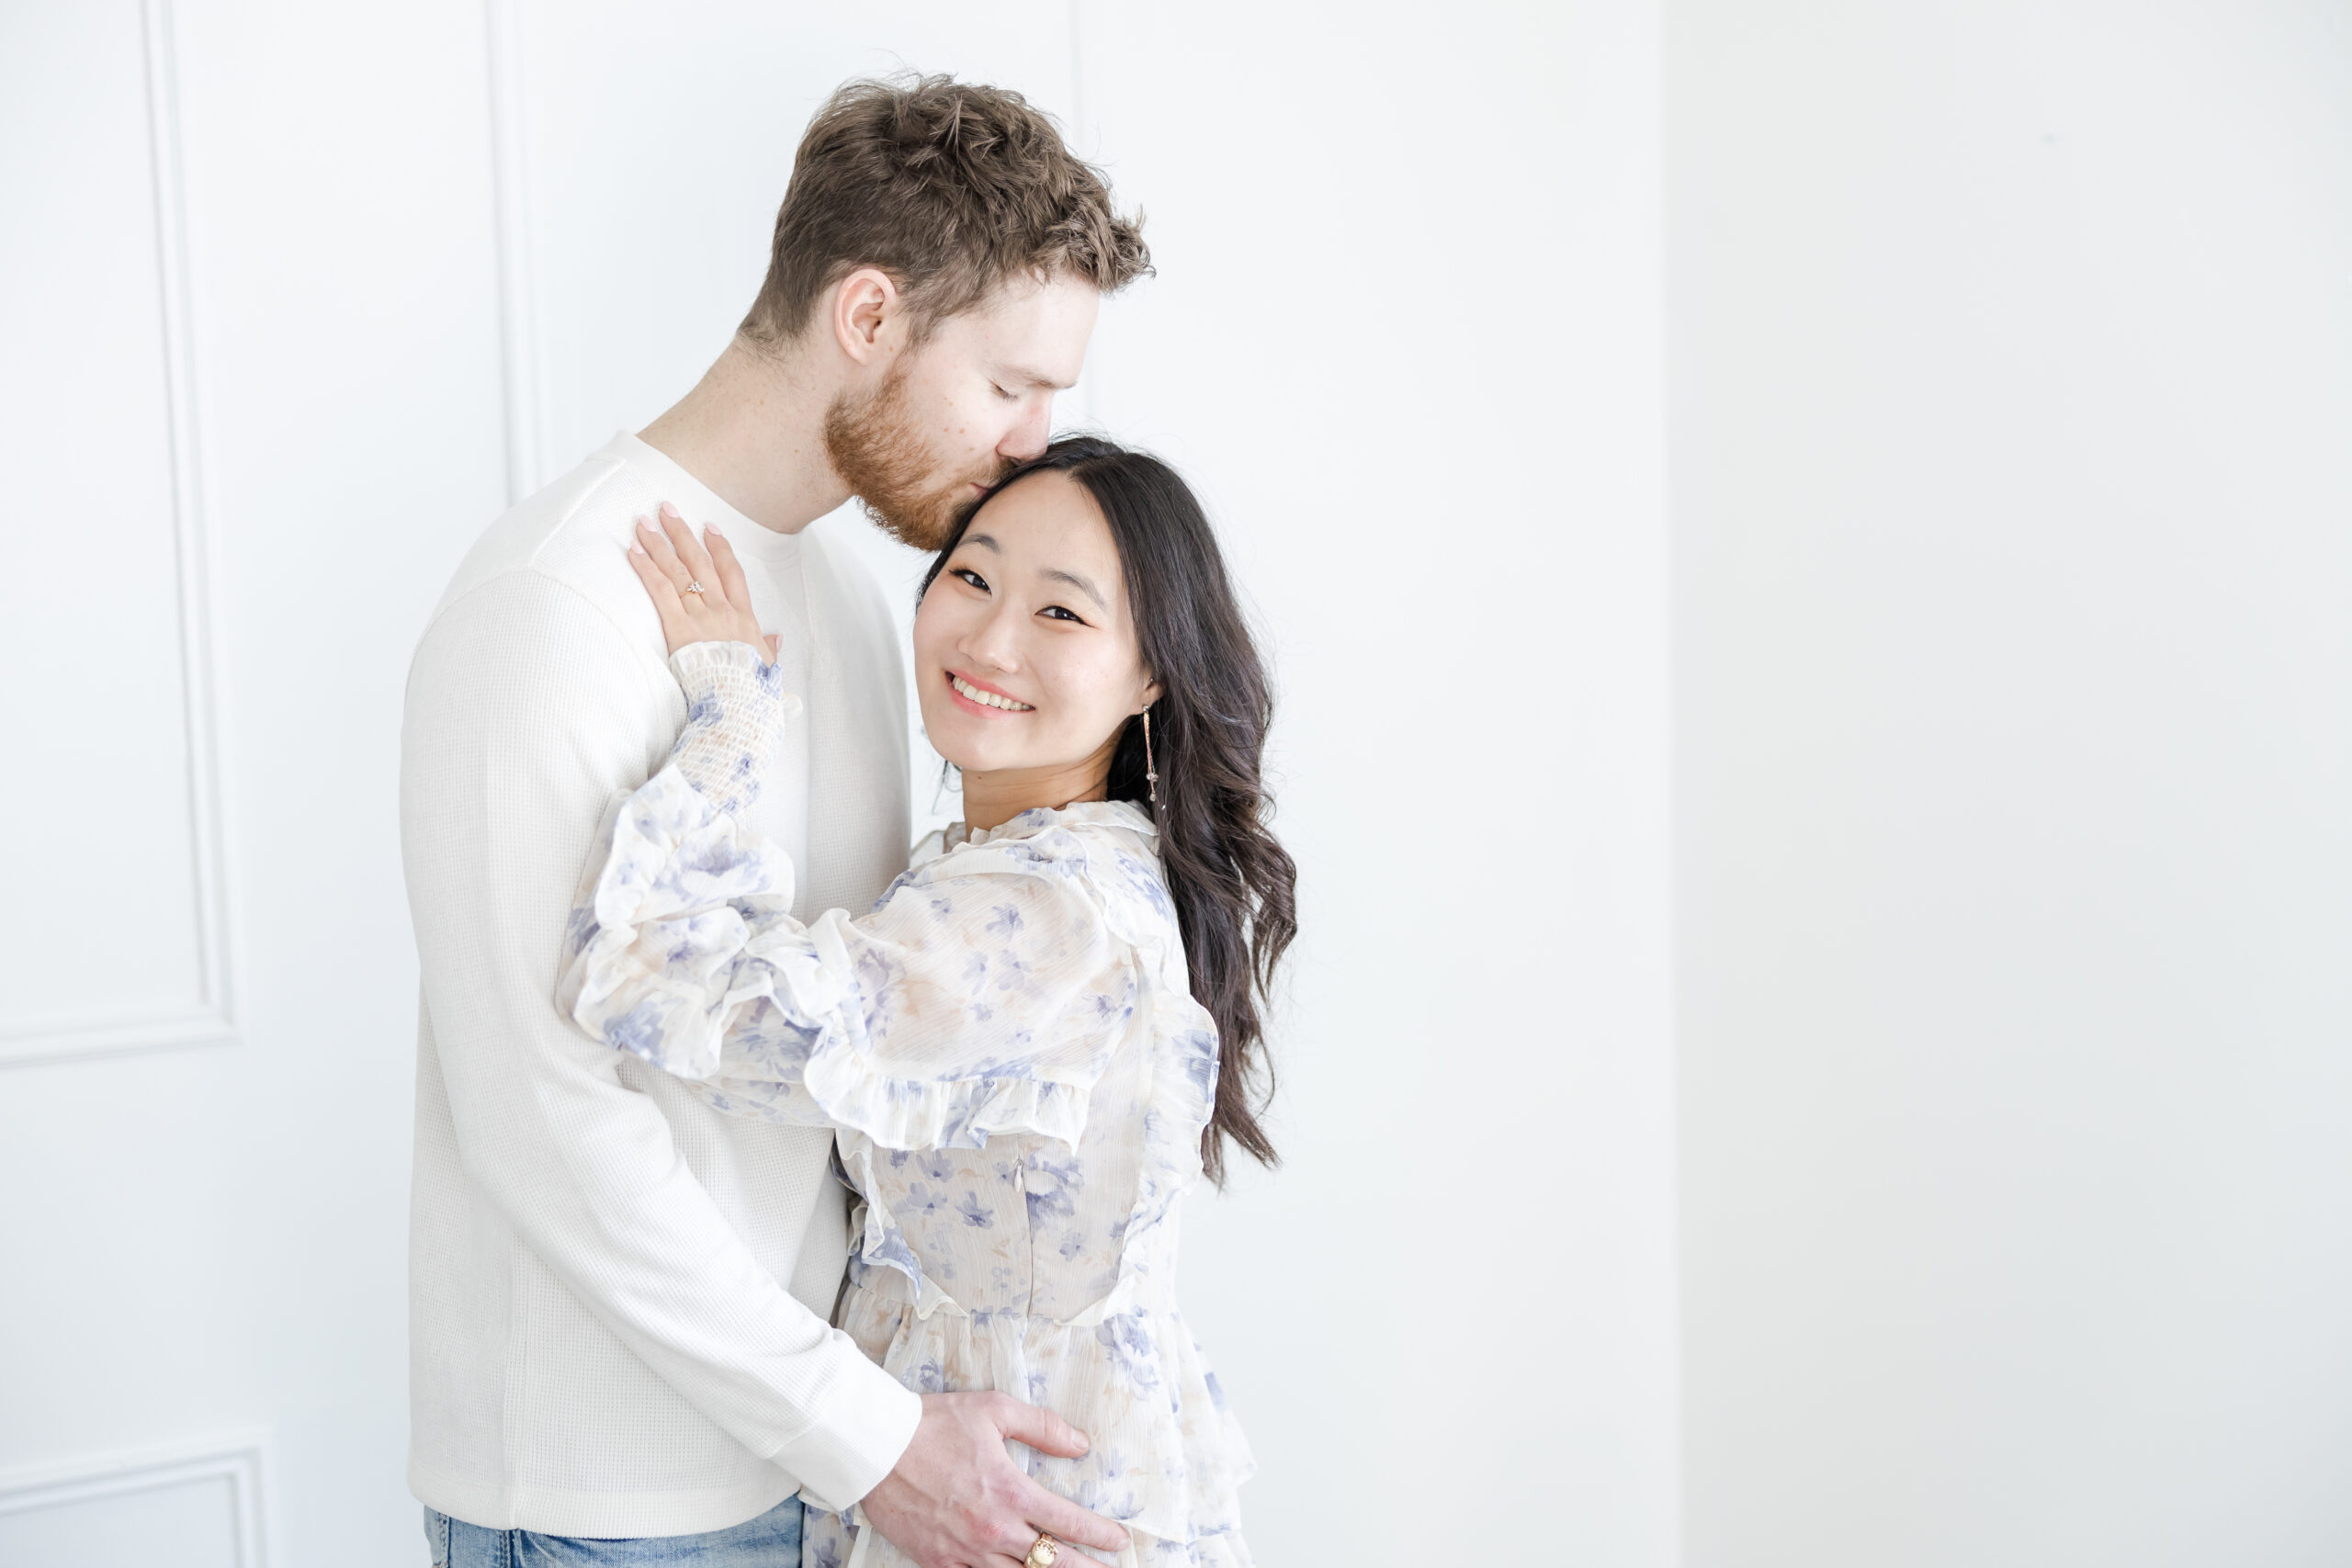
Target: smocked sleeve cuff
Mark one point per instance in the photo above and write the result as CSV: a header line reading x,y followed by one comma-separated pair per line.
x,y
736,707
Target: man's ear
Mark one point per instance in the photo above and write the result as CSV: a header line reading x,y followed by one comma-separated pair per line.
x,y
866,311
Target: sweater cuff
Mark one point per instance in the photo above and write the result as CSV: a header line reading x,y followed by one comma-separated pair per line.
x,y
864,1424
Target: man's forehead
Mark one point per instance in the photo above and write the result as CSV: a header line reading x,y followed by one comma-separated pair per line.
x,y
1036,332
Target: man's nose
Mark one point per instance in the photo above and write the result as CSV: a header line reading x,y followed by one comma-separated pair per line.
x,y
1033,434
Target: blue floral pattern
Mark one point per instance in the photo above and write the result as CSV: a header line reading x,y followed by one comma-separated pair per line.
x,y
1017,1076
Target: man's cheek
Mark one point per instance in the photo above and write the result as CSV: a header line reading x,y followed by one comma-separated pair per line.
x,y
965,431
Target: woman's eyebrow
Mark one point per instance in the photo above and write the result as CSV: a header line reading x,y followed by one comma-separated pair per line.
x,y
987,539
1081,584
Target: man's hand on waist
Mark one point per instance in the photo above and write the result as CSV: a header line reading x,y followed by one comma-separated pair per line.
x,y
956,1500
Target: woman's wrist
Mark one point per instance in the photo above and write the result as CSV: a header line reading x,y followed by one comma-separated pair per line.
x,y
736,710
701,656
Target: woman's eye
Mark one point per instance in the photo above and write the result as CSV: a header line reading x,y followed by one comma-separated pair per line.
x,y
1059,613
1000,392
968,575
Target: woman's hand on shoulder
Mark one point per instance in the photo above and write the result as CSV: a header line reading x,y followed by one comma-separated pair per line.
x,y
700,593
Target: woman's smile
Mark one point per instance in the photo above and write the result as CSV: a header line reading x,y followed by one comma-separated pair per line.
x,y
984,698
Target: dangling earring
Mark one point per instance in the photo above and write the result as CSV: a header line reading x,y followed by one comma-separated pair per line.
x,y
1150,779
944,765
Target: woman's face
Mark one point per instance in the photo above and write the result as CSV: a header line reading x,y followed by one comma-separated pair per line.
x,y
1026,654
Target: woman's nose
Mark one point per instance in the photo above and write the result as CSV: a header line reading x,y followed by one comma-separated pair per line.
x,y
994,642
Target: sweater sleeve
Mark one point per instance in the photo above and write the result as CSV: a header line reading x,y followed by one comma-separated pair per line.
x,y
510,758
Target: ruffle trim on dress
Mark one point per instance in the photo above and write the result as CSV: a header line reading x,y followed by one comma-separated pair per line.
x,y
676,865
1129,884
1181,1035
677,869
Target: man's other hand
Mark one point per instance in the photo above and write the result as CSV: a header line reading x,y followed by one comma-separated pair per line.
x,y
957,1499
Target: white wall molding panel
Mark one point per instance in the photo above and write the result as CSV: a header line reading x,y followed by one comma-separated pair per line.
x,y
81,1012
250,412
198,1504
523,366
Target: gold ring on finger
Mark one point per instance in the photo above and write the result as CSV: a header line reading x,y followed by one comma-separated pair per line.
x,y
1045,1553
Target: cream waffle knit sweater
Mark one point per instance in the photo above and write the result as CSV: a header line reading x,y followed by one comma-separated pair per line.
x,y
617,1296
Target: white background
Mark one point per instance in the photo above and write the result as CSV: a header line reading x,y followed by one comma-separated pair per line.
x,y
2012,428
1960,927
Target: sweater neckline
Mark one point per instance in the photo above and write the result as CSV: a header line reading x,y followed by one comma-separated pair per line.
x,y
701,505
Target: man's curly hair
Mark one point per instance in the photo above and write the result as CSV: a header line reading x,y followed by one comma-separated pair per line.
x,y
953,190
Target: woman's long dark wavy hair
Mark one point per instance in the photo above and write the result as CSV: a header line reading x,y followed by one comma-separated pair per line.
x,y
1231,881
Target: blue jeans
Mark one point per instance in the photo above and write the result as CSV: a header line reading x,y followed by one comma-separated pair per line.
x,y
772,1540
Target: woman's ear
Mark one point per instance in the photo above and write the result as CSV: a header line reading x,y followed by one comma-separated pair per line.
x,y
1151,692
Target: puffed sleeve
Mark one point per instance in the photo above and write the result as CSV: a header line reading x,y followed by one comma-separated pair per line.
x,y
982,994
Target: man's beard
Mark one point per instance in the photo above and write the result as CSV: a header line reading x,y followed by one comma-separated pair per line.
x,y
875,450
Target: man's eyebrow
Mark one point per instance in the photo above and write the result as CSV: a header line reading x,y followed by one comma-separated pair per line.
x,y
1083,586
1027,376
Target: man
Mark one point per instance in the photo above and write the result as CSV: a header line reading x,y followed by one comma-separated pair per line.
x,y
618,1330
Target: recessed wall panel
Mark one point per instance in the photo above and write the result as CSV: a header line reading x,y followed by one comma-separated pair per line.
x,y
102,924
192,1524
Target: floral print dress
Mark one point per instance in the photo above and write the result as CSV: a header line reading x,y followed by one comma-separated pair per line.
x,y
1008,1049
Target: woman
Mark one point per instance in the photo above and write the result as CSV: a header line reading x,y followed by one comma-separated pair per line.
x,y
1045,1032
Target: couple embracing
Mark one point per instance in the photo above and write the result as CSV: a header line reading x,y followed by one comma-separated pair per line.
x,y
778,1201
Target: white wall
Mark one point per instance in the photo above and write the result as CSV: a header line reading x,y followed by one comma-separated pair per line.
x,y
205,1244
1449,1317
1407,342
2011,382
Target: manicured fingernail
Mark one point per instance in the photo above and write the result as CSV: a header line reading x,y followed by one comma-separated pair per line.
x,y
668,510
1082,1444
712,529
634,548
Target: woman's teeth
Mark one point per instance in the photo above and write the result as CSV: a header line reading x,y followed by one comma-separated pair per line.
x,y
986,699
